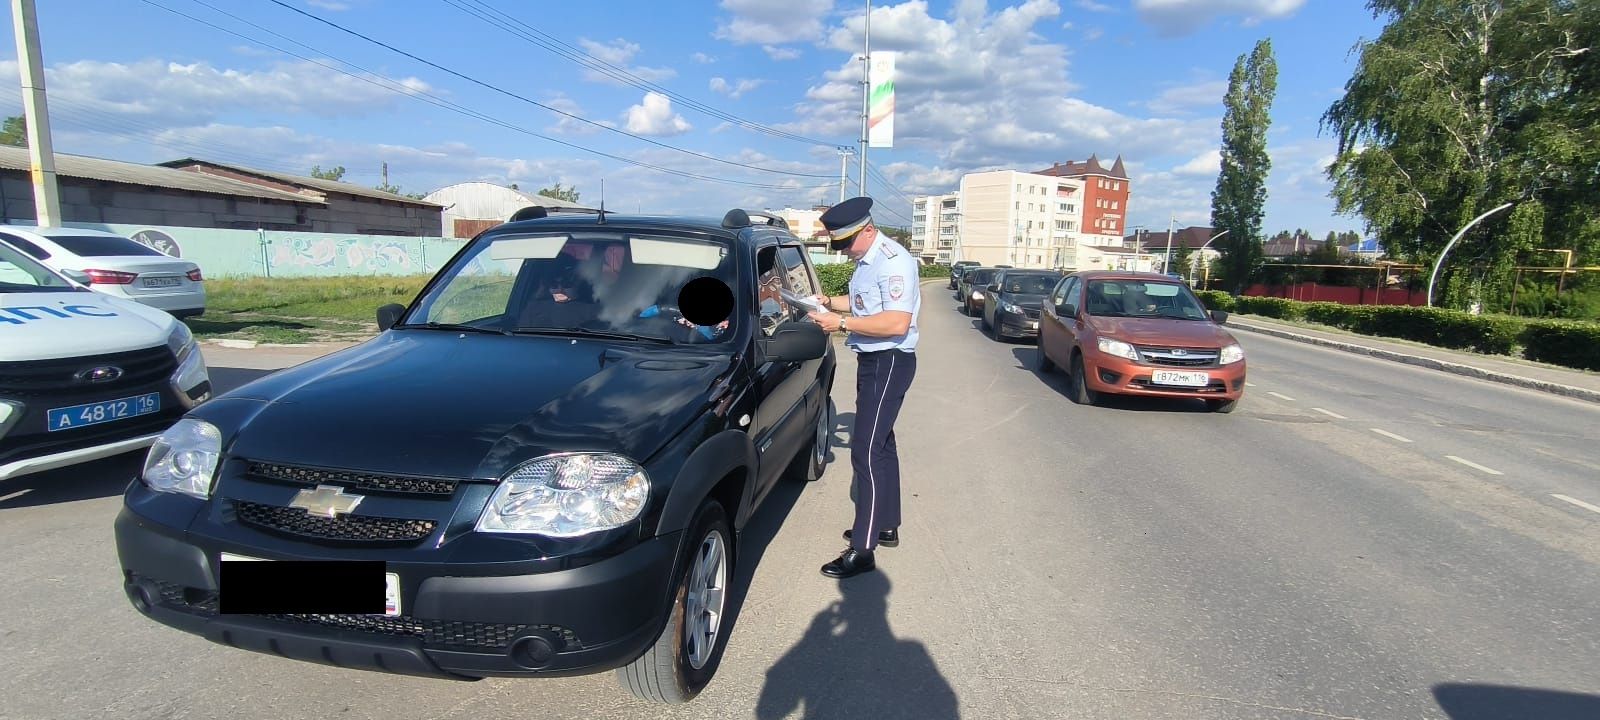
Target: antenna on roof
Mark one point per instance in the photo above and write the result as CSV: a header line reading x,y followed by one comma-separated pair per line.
x,y
602,201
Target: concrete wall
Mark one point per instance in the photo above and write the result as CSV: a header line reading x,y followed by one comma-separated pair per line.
x,y
92,201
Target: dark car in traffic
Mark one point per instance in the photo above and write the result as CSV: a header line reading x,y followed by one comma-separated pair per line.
x,y
539,468
957,268
970,293
1011,301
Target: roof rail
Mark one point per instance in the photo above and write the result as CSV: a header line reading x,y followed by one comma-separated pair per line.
x,y
534,212
739,218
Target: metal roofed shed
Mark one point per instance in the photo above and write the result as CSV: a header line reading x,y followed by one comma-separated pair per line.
x,y
472,207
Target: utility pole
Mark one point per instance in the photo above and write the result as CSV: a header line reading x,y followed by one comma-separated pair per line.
x,y
1166,264
386,173
866,92
46,200
844,166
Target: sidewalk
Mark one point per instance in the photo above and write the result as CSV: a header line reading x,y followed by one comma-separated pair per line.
x,y
1572,383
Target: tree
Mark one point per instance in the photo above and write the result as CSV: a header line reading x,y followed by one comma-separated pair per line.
x,y
1181,254
1241,192
14,132
1459,107
332,174
559,193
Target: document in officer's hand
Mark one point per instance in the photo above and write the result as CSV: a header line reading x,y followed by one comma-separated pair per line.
x,y
809,305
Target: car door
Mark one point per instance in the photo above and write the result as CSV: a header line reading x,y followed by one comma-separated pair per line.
x,y
780,425
1055,330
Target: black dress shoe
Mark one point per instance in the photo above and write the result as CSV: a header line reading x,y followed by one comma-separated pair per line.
x,y
850,563
886,538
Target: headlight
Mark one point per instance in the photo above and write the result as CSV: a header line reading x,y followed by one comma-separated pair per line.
x,y
10,414
184,459
1118,348
977,295
567,496
1230,355
181,342
1010,307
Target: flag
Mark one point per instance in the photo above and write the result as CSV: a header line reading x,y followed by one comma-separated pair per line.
x,y
880,100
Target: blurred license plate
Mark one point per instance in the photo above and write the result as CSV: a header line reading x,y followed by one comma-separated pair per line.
x,y
1033,324
161,282
391,583
78,416
1184,379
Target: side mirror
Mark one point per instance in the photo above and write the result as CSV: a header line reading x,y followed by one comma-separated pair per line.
x,y
77,276
1219,316
994,287
1067,310
796,341
389,314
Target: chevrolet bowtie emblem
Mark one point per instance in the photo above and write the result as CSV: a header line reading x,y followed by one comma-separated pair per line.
x,y
327,501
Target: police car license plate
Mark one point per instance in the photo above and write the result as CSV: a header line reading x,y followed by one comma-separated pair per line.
x,y
78,416
161,282
1184,379
391,583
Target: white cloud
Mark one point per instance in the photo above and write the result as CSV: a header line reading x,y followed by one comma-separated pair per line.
x,y
570,126
772,22
181,94
780,53
1094,33
703,58
333,5
654,116
1182,98
1204,164
1182,17
736,88
1093,6
620,53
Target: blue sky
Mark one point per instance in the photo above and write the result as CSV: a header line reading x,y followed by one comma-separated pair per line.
x,y
1007,84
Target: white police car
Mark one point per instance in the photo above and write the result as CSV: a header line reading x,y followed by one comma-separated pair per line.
x,y
84,375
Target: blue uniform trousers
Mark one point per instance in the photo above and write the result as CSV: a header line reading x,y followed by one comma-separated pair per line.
x,y
882,379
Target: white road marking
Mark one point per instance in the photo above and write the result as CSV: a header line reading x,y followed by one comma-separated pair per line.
x,y
1474,465
1280,396
1249,384
1577,502
1390,435
1330,413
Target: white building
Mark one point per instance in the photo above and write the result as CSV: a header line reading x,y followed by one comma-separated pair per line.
x,y
472,207
1024,220
1097,257
935,225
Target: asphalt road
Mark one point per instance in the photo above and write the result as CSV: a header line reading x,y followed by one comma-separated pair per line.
x,y
1143,560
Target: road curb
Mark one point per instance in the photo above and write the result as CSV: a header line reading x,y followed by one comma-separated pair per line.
x,y
1427,362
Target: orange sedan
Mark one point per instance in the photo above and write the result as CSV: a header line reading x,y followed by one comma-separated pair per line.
x,y
1131,333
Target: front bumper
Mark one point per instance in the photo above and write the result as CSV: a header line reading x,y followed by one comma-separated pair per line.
x,y
1010,325
461,621
1111,374
67,458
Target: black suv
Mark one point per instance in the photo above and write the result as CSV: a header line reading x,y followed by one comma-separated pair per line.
x,y
544,462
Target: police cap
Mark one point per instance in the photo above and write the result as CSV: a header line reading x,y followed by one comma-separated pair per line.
x,y
844,220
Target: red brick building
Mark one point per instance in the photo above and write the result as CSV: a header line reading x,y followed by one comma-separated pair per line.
x,y
1106,194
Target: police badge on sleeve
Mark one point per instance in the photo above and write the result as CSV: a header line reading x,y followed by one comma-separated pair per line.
x,y
897,287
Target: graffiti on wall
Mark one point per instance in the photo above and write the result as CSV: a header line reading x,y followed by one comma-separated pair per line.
x,y
158,241
343,253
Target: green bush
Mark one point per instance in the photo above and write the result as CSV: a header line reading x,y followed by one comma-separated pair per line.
x,y
935,271
1216,300
1269,307
835,277
1562,342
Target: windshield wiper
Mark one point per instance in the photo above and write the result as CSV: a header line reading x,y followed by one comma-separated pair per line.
x,y
456,326
588,332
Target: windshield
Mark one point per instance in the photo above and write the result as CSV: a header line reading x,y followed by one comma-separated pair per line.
x,y
1030,284
978,277
101,246
617,284
1142,298
20,273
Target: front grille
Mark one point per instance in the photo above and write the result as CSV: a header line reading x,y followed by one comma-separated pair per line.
x,y
365,529
364,481
35,378
1178,357
1032,313
434,633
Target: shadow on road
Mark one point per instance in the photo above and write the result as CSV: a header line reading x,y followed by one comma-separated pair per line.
x,y
850,665
224,379
88,481
753,541
1028,361
844,424
1499,702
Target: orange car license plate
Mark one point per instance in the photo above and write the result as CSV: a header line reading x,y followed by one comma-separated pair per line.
x,y
1181,379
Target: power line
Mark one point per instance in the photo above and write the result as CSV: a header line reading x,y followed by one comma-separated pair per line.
x,y
505,21
531,101
437,101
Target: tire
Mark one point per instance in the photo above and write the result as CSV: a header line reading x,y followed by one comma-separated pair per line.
x,y
1082,394
985,321
667,672
812,460
1046,365
1222,406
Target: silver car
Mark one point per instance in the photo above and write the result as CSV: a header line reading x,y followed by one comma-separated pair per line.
x,y
114,265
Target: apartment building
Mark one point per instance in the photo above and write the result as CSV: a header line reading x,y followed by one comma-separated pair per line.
x,y
1025,220
1105,197
935,227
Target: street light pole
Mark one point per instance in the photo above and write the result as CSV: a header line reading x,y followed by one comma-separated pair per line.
x,y
1463,231
1203,257
866,91
36,113
1166,263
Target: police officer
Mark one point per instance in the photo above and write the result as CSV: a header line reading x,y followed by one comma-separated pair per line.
x,y
881,329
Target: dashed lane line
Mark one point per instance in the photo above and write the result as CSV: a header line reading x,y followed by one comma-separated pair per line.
x,y
1475,466
1280,396
1390,435
1575,501
1330,413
